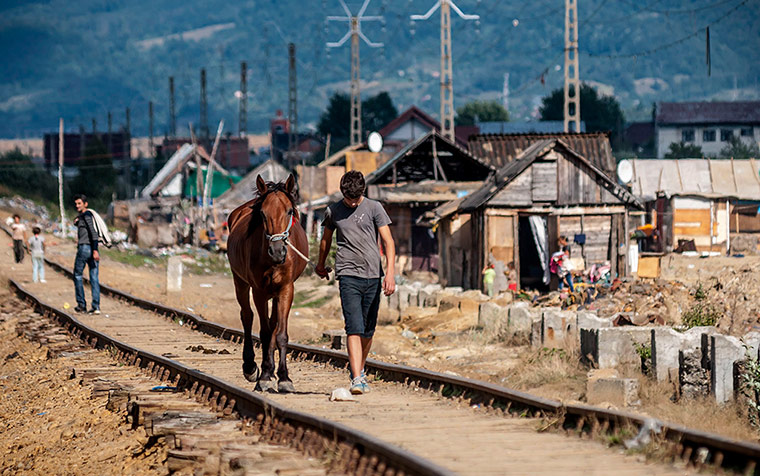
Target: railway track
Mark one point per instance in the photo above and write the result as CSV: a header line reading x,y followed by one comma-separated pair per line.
x,y
415,416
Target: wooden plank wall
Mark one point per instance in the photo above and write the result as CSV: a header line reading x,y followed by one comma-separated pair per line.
x,y
577,185
517,193
598,230
544,186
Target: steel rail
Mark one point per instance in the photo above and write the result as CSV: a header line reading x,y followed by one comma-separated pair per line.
x,y
723,452
246,403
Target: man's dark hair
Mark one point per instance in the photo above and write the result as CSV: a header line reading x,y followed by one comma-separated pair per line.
x,y
80,196
352,184
16,215
36,230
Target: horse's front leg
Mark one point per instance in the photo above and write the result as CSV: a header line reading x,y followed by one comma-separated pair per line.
x,y
262,309
284,301
250,370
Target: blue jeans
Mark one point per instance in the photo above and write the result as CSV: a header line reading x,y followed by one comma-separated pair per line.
x,y
569,278
38,268
84,256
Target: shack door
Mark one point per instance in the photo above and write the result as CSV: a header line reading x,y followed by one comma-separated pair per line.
x,y
533,244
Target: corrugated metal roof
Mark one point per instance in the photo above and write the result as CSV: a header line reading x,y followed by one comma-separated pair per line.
x,y
716,178
536,127
241,192
499,149
174,166
715,112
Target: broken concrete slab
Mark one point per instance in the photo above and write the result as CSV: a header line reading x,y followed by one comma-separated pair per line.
x,y
589,320
521,318
558,328
407,296
428,295
693,379
613,346
464,305
724,352
666,343
621,392
493,318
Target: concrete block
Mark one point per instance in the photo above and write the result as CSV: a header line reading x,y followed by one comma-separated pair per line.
x,y
622,392
428,295
393,300
493,319
337,338
536,332
613,346
466,306
174,274
521,317
589,320
407,296
693,379
559,328
666,343
724,352
474,294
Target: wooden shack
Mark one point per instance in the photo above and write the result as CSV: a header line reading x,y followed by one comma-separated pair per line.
x,y
517,215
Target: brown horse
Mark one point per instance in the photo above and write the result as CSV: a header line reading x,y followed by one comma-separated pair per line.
x,y
260,232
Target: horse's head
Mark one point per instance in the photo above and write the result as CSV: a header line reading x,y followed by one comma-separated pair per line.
x,y
277,209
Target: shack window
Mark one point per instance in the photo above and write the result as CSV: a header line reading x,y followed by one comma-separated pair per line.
x,y
687,135
708,135
726,135
746,132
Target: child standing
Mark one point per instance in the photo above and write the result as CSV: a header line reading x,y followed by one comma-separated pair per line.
x,y
37,249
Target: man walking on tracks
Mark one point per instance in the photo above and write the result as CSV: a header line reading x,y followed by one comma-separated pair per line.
x,y
358,267
19,238
87,253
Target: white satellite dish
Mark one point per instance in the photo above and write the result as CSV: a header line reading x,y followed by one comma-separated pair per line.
x,y
375,142
625,171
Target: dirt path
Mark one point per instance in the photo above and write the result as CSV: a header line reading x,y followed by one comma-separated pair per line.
x,y
458,437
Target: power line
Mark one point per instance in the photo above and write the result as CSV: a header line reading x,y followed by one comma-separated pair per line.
x,y
672,43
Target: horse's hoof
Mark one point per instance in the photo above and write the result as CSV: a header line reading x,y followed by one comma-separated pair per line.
x,y
265,386
285,386
252,377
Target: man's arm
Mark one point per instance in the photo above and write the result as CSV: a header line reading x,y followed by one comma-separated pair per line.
x,y
324,249
389,283
89,221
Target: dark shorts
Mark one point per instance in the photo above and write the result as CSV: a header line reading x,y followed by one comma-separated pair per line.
x,y
360,300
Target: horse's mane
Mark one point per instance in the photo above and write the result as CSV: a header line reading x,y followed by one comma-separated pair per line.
x,y
258,201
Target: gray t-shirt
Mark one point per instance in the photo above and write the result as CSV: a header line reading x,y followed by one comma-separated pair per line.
x,y
36,247
358,251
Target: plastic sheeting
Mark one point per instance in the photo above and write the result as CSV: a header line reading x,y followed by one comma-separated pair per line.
x,y
538,228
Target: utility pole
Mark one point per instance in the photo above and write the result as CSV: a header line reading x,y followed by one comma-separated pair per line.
x,y
243,114
128,153
60,175
354,33
505,92
204,109
572,82
150,128
292,104
110,125
447,88
172,115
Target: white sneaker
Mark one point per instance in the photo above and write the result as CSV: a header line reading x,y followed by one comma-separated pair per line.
x,y
43,281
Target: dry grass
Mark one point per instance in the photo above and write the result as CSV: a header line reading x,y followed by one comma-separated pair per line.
x,y
550,373
702,414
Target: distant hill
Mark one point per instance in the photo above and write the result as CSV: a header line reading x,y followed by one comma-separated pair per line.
x,y
81,59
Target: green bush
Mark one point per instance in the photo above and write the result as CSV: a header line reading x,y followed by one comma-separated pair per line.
x,y
702,313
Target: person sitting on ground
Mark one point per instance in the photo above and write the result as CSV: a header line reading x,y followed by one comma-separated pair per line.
x,y
566,270
37,250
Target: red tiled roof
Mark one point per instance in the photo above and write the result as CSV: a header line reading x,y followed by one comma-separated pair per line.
x,y
412,112
722,112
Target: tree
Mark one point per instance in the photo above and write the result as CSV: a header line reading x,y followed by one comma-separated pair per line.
x,y
481,111
377,111
19,175
738,149
682,150
600,114
97,177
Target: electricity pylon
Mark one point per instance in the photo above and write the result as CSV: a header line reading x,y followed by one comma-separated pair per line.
x,y
355,32
447,88
572,111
